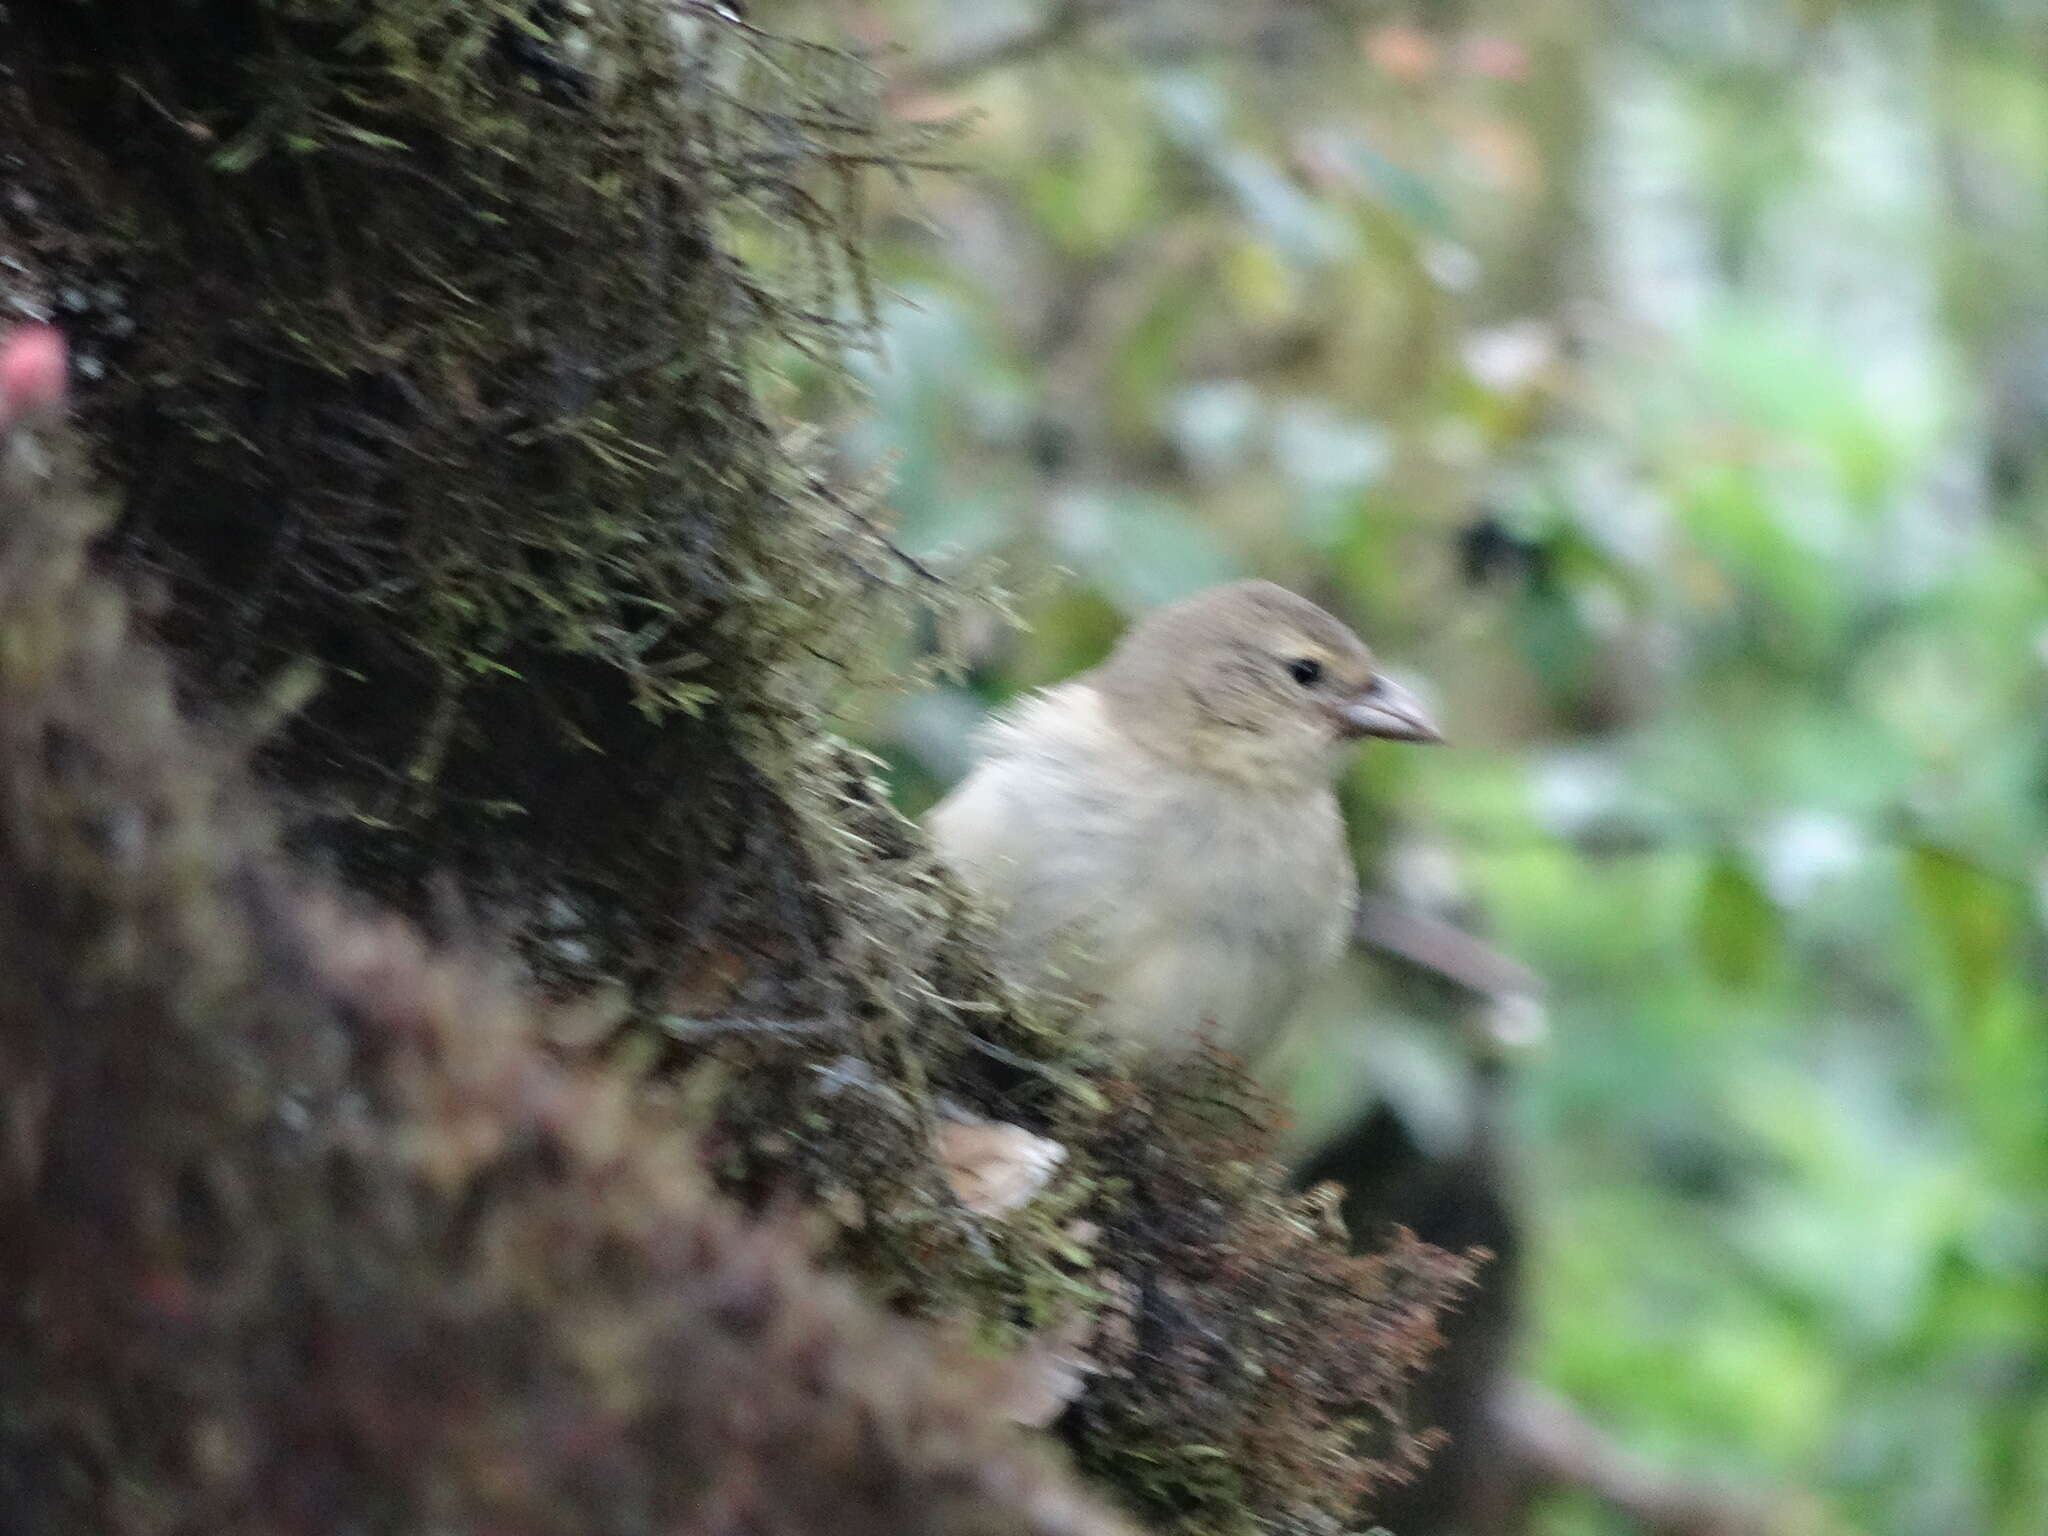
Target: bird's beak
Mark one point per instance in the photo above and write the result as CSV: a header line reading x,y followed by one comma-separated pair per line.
x,y
1387,710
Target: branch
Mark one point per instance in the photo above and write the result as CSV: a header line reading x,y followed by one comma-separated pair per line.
x,y
1442,949
1553,1447
1059,24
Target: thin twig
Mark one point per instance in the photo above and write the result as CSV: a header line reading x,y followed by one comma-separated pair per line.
x,y
680,1028
1059,24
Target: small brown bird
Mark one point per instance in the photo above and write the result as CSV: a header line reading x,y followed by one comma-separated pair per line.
x,y
1161,836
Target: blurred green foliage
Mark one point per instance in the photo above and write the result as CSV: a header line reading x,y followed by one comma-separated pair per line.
x,y
1668,385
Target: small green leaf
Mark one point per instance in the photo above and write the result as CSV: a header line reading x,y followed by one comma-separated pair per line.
x,y
362,135
238,156
1971,914
1738,928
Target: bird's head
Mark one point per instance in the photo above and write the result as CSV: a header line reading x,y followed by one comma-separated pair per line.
x,y
1251,682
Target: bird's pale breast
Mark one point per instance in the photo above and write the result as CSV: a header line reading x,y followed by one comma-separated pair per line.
x,y
1175,901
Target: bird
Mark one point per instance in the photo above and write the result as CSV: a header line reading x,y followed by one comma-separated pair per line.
x,y
1160,837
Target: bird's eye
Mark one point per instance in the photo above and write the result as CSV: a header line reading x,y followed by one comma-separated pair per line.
x,y
1305,670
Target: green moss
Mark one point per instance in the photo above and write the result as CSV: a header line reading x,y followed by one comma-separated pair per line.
x,y
1255,1371
308,1231
443,380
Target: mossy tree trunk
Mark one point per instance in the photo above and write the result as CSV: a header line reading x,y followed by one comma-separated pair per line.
x,y
428,366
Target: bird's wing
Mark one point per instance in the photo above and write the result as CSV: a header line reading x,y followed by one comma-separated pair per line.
x,y
1031,829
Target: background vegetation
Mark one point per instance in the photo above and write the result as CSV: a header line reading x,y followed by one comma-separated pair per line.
x,y
1665,385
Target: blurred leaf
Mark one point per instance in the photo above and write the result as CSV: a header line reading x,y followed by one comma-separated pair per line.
x,y
1264,289
1196,117
1740,932
1401,190
1749,534
1332,459
1973,916
1213,423
1193,112
1309,232
935,380
1317,447
1141,550
1144,368
1091,201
